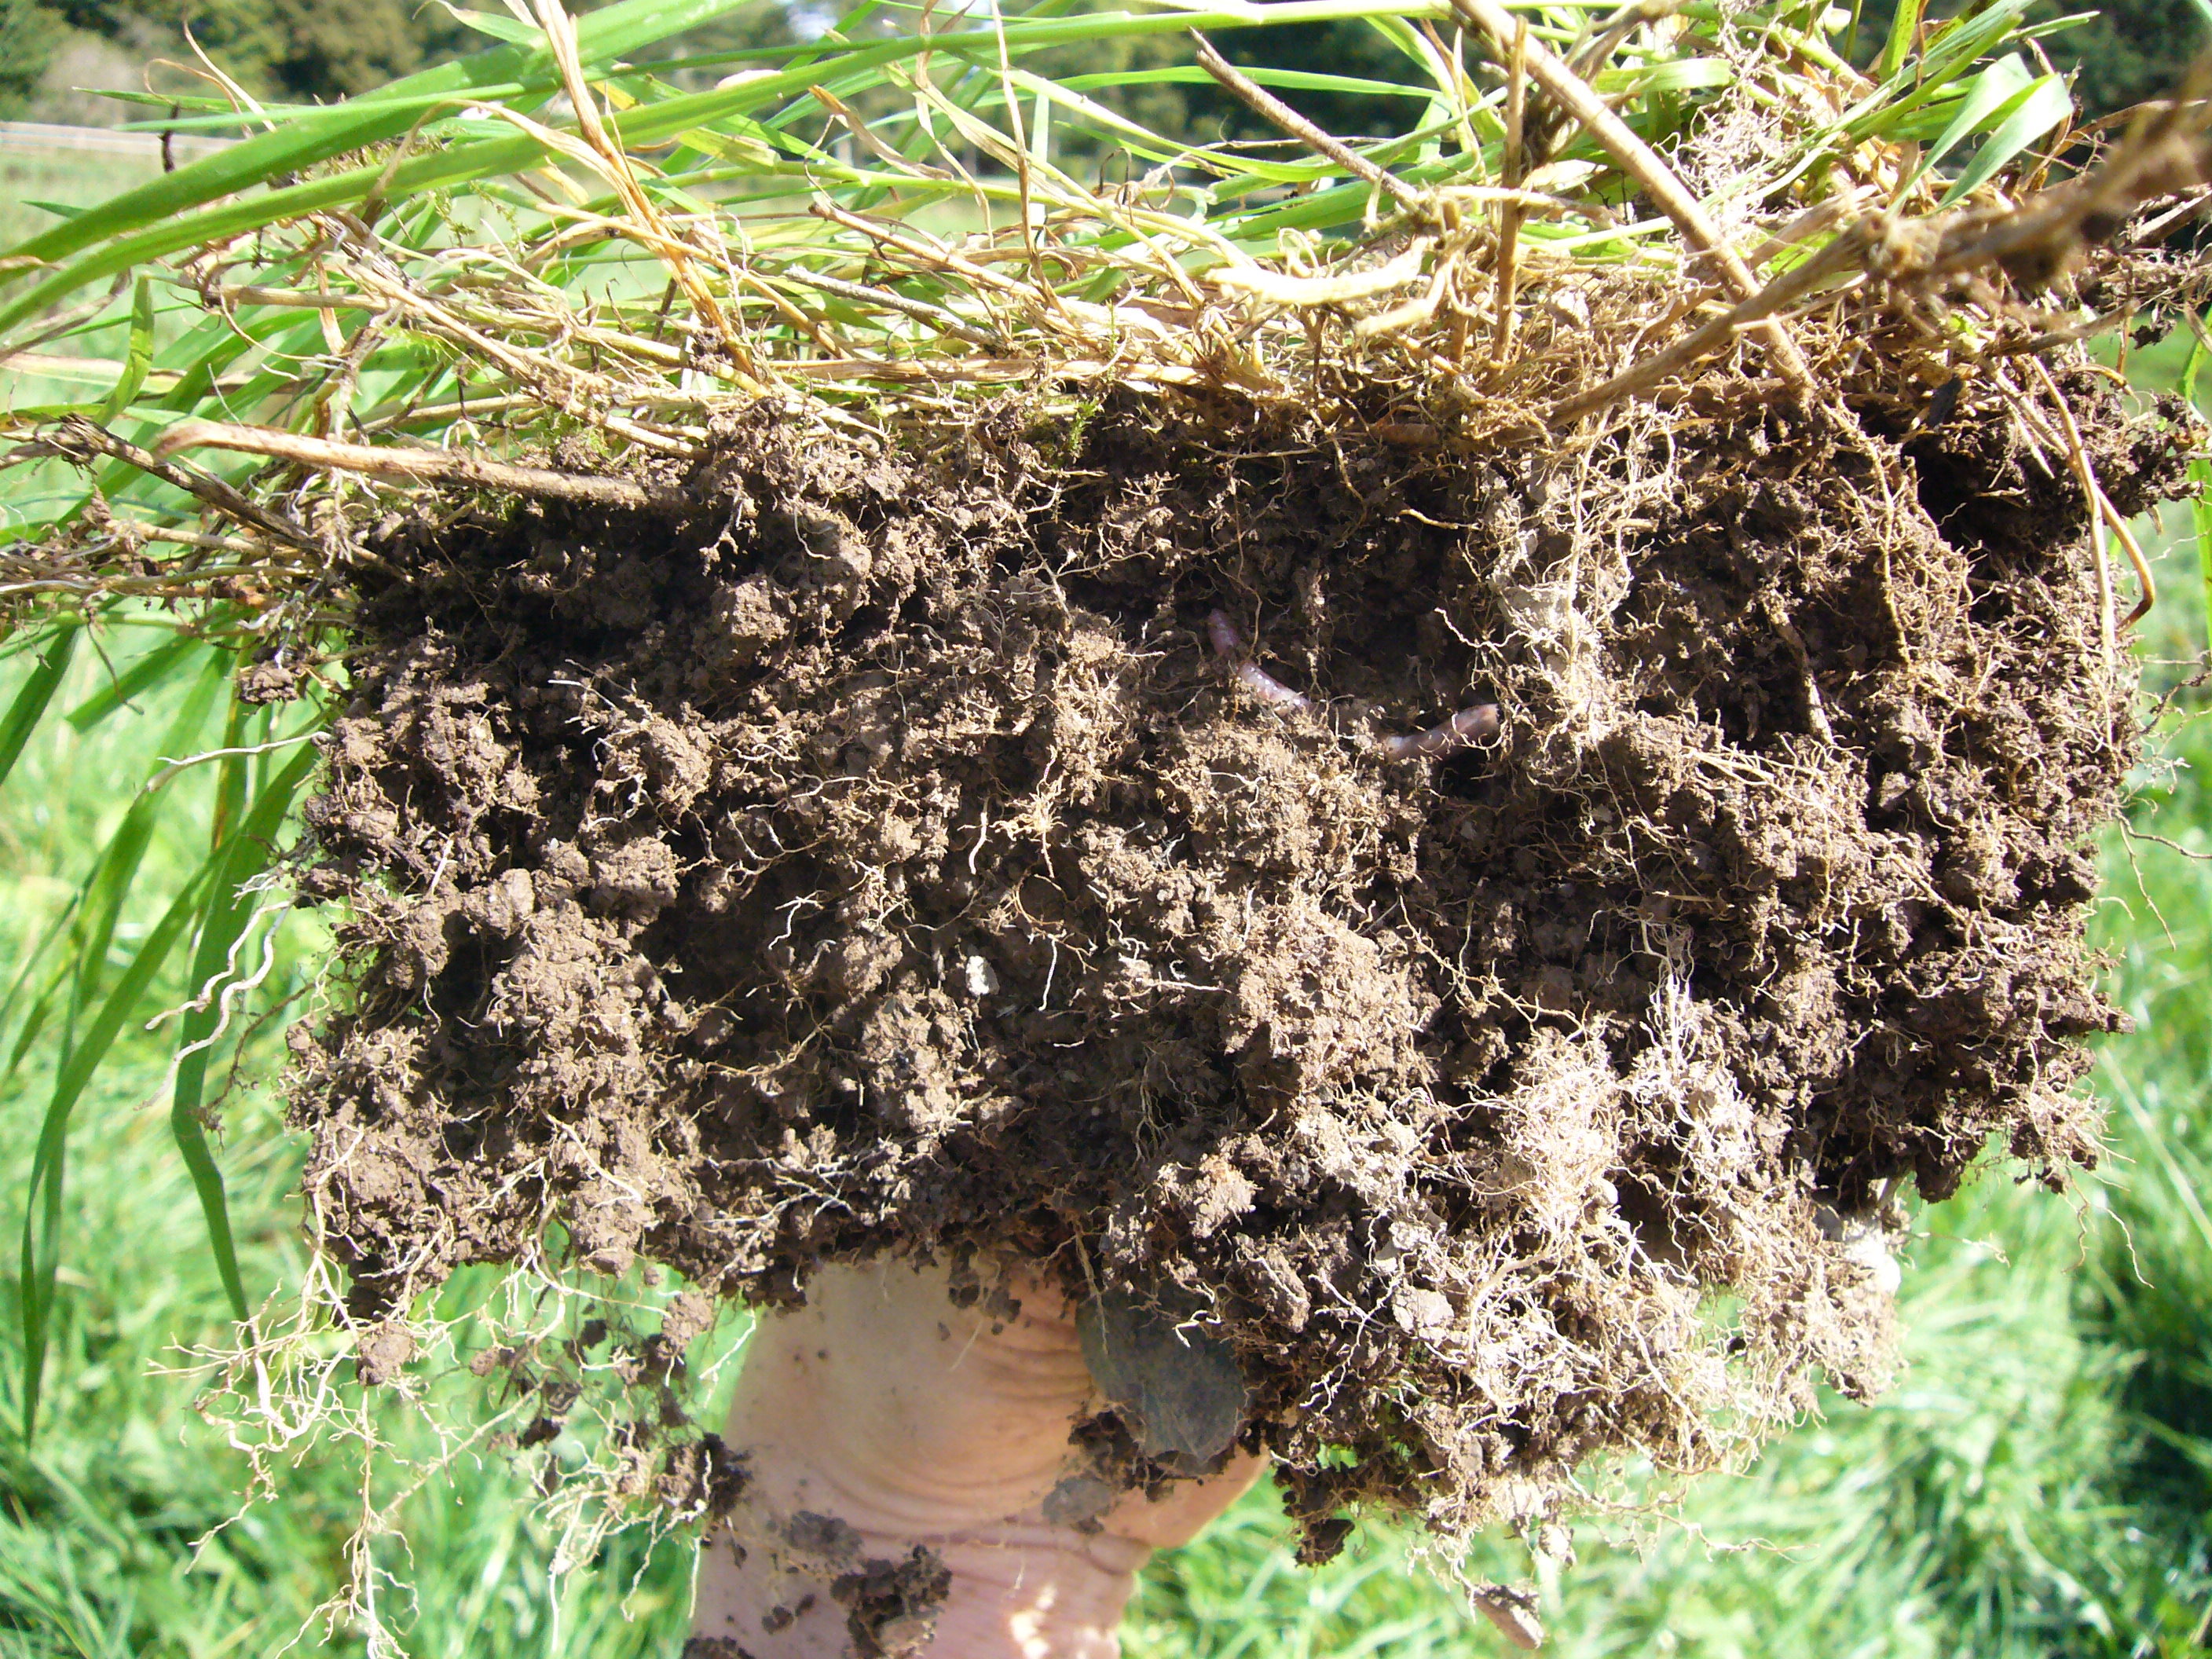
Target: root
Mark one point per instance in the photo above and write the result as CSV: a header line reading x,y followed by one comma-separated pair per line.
x,y
407,465
1274,109
1638,159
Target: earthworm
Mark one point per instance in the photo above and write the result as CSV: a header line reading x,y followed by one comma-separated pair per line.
x,y
1468,728
1230,645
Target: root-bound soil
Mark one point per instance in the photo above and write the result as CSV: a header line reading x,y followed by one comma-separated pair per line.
x,y
881,852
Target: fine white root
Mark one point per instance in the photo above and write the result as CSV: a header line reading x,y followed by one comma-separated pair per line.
x,y
1479,723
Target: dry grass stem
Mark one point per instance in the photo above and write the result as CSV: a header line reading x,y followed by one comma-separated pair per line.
x,y
1638,159
406,464
1264,103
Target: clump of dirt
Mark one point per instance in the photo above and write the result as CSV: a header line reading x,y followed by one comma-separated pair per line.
x,y
877,855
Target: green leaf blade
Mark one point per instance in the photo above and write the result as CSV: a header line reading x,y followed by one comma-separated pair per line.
x,y
43,1206
2034,110
238,857
154,668
29,706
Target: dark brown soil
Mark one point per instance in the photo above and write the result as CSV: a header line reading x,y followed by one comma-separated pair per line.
x,y
877,857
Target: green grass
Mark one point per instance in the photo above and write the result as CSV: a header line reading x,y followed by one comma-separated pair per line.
x,y
2036,1484
67,177
101,1519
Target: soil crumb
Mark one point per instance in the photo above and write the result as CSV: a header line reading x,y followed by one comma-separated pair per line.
x,y
883,852
891,1607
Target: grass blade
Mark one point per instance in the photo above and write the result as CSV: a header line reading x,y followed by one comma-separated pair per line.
x,y
128,229
508,29
81,960
80,966
29,706
2200,474
1988,91
138,357
2035,111
143,675
43,1206
2200,514
316,136
239,857
1898,46
1290,79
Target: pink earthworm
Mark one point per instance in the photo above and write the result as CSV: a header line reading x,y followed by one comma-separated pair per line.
x,y
1230,645
1463,730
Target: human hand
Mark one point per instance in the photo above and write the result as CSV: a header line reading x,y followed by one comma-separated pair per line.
x,y
880,1418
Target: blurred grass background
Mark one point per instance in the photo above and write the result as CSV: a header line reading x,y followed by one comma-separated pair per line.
x,y
31,174
2040,1482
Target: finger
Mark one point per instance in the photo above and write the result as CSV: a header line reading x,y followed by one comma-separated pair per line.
x,y
923,1415
1182,1511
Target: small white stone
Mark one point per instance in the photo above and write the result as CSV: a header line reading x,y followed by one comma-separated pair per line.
x,y
1871,1251
982,978
1865,1244
1421,1310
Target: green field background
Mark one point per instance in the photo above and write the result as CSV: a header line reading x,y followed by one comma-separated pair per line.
x,y
2037,1483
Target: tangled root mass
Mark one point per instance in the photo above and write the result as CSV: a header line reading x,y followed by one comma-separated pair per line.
x,y
875,855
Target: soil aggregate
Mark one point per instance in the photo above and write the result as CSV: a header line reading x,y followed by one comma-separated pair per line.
x,y
873,853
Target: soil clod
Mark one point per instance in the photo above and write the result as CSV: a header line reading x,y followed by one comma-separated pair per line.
x,y
872,853
1177,1384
